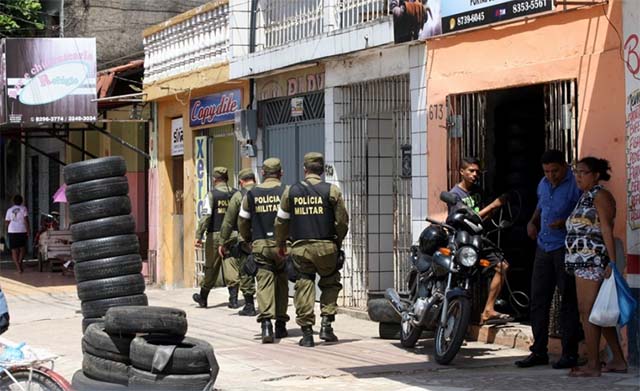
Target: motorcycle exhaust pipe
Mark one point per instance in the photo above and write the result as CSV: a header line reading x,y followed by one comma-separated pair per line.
x,y
431,311
394,298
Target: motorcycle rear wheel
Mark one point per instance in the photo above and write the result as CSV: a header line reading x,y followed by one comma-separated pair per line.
x,y
409,333
449,336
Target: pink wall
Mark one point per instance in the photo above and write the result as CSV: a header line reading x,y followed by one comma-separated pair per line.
x,y
579,44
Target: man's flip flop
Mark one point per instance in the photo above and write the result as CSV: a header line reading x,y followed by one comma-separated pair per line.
x,y
497,319
613,370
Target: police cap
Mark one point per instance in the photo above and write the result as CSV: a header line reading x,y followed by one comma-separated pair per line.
x,y
219,172
246,173
272,166
313,157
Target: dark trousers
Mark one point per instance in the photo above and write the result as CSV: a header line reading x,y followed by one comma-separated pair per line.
x,y
548,272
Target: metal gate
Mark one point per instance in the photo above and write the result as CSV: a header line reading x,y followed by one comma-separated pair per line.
x,y
561,118
362,102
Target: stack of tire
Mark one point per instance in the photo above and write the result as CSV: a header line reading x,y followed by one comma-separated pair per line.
x,y
105,249
144,348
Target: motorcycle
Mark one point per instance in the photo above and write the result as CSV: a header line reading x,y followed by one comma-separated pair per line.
x,y
445,265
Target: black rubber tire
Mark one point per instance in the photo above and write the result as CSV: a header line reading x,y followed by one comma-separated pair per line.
x,y
389,330
86,322
111,246
105,370
100,228
128,285
145,319
143,380
30,380
189,357
108,267
97,308
444,358
100,208
97,342
410,339
80,382
94,169
97,188
380,310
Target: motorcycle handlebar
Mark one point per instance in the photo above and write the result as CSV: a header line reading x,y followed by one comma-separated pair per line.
x,y
436,222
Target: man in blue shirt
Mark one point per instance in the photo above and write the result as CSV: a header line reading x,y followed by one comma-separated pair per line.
x,y
557,197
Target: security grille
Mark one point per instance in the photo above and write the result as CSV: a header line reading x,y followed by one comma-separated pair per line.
x,y
364,101
278,111
561,118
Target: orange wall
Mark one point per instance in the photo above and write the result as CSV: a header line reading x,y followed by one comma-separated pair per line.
x,y
578,44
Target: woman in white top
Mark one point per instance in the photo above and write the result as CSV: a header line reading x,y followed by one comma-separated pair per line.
x,y
17,227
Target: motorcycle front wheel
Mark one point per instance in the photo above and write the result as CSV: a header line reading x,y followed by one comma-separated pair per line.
x,y
409,333
449,336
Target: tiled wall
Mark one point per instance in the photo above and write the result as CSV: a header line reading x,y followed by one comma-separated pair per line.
x,y
418,88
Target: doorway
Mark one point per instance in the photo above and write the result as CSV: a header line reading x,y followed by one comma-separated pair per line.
x,y
508,130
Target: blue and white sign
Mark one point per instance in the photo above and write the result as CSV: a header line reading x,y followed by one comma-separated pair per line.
x,y
212,109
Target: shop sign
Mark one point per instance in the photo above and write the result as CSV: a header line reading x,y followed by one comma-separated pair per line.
x,y
297,107
293,83
50,80
177,137
200,153
421,19
216,108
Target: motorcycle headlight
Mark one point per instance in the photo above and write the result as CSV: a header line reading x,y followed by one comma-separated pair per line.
x,y
467,256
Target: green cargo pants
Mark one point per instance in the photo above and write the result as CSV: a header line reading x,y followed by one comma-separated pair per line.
x,y
317,257
272,288
234,276
213,263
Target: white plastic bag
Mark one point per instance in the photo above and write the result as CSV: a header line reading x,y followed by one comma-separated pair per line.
x,y
605,311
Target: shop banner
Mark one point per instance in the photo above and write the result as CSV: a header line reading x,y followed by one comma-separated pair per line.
x,y
50,80
216,108
202,182
177,137
421,19
631,50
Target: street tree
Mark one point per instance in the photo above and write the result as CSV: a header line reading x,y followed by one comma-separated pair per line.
x,y
20,18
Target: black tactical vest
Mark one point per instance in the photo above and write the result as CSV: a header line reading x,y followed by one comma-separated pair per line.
x,y
312,216
263,205
219,208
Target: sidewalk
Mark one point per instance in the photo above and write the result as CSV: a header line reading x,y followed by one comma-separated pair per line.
x,y
359,361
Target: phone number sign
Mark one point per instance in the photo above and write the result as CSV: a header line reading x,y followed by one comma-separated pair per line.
x,y
458,15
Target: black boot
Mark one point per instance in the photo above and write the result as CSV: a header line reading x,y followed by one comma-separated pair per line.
x,y
281,329
233,297
326,331
267,331
307,337
201,298
249,308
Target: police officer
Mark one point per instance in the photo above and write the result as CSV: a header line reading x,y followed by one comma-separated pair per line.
x,y
313,215
218,202
257,216
235,251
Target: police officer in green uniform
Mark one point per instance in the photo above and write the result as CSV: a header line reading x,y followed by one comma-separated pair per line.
x,y
212,222
257,216
312,214
234,251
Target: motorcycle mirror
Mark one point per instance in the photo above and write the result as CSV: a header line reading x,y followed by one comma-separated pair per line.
x,y
448,198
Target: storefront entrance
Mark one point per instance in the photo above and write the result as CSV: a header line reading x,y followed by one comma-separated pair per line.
x,y
508,130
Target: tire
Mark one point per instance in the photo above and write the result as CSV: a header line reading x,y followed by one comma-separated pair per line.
x,y
143,380
105,370
94,169
389,330
80,382
108,267
111,246
132,284
97,188
409,334
380,310
189,357
134,320
100,228
458,315
40,379
100,208
86,322
97,308
100,341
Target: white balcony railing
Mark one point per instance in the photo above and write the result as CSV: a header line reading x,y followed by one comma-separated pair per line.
x,y
280,22
184,45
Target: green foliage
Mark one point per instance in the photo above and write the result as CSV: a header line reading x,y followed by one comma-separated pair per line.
x,y
20,18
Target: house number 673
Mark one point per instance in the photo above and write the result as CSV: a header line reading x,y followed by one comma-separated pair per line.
x,y
436,111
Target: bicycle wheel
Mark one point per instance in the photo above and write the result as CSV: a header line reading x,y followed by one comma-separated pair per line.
x,y
35,380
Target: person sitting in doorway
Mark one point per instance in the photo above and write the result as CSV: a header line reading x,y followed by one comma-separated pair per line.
x,y
469,194
16,224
